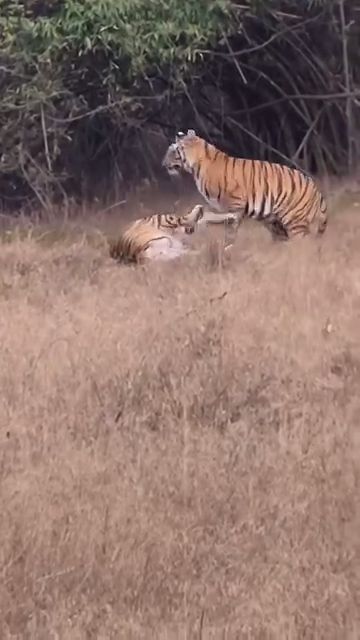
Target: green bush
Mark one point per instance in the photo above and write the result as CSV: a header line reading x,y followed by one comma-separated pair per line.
x,y
84,55
138,34
85,85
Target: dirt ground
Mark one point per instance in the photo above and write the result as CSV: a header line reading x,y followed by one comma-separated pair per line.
x,y
180,443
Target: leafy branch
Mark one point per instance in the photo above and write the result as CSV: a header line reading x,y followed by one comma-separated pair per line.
x,y
92,91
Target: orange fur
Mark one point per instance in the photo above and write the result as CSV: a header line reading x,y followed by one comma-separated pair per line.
x,y
142,234
286,200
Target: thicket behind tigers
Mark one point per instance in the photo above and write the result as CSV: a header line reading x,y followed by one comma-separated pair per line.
x,y
156,237
286,200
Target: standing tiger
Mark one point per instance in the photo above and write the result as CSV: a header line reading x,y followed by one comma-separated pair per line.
x,y
156,237
286,200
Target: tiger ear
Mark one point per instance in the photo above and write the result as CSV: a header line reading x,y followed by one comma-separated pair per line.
x,y
191,133
179,135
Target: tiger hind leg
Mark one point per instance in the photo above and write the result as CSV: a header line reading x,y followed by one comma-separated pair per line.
x,y
278,230
323,221
291,229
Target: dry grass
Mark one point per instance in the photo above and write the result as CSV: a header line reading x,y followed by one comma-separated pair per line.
x,y
175,462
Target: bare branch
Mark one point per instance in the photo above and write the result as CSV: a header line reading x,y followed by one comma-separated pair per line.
x,y
46,146
349,112
233,57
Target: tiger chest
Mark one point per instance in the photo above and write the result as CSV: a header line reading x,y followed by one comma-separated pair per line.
x,y
213,197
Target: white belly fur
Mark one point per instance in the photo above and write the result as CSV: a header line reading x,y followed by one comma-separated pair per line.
x,y
165,249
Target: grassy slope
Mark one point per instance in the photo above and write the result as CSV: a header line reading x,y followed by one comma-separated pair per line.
x,y
175,463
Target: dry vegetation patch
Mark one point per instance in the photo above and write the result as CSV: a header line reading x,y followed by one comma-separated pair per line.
x,y
180,443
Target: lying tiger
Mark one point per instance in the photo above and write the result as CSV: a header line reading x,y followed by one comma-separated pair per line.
x,y
286,200
156,237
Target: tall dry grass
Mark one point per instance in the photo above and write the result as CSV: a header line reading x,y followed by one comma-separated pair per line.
x,y
180,444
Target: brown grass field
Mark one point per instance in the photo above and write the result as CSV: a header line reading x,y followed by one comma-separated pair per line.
x,y
180,443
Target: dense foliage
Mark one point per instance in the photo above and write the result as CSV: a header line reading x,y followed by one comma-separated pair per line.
x,y
92,88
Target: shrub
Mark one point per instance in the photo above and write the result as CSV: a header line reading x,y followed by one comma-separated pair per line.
x,y
84,84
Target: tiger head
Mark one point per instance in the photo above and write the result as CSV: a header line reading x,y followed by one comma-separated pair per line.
x,y
180,154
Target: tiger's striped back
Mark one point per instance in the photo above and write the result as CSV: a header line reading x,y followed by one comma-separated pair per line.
x,y
285,199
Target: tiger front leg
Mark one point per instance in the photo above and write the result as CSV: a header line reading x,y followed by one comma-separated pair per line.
x,y
230,220
232,224
220,218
